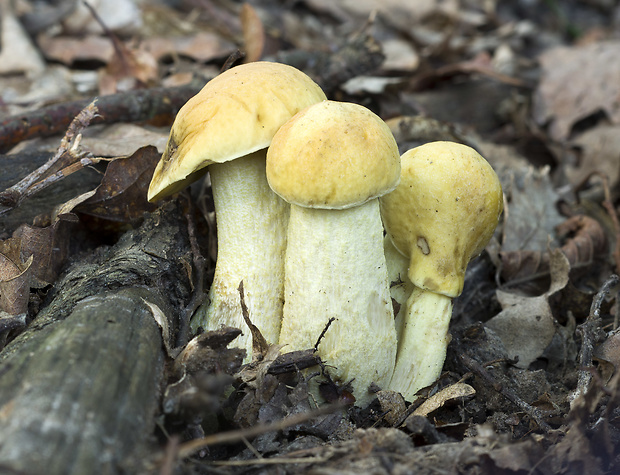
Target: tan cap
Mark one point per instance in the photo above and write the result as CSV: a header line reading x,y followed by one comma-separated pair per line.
x,y
333,155
236,113
443,213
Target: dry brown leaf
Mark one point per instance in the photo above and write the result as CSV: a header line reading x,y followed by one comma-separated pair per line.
x,y
123,140
17,53
577,82
526,325
451,394
400,55
608,355
531,215
203,46
400,13
121,196
130,67
67,49
253,33
600,152
393,406
47,246
116,15
586,241
14,278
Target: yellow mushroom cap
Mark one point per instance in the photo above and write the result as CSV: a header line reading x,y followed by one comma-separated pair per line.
x,y
235,114
443,213
333,155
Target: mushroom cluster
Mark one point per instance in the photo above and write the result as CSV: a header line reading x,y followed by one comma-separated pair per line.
x,y
226,129
316,216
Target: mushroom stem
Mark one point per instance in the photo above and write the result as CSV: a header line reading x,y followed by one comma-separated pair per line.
x,y
422,343
328,258
400,285
251,231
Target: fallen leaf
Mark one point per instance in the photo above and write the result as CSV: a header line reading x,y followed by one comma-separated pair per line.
x,y
531,215
452,394
392,405
599,153
400,55
586,242
14,278
526,325
123,140
608,355
130,68
47,247
121,196
253,33
399,13
17,53
116,15
68,50
203,46
577,82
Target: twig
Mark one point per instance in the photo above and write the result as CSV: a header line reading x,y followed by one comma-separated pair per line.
x,y
167,466
232,59
318,340
188,448
155,105
39,178
270,461
590,333
533,413
121,52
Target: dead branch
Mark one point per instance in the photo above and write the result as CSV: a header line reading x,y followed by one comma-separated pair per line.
x,y
156,106
591,333
67,153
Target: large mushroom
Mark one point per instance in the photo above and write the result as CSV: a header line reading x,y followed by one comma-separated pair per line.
x,y
442,214
227,127
331,161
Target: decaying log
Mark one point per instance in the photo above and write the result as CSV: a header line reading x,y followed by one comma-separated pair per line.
x,y
80,387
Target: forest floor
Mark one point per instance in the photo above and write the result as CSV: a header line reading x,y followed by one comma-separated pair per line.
x,y
531,383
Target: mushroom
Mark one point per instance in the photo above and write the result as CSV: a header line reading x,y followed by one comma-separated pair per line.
x,y
442,214
227,127
330,162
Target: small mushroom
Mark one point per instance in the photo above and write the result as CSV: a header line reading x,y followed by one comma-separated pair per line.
x,y
331,161
227,127
442,214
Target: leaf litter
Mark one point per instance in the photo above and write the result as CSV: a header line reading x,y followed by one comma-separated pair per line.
x,y
531,381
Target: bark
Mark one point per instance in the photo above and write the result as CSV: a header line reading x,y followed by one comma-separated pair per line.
x,y
79,389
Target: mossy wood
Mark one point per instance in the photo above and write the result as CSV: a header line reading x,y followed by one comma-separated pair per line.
x,y
79,388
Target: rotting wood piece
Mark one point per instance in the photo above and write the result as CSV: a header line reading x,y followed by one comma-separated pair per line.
x,y
79,388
